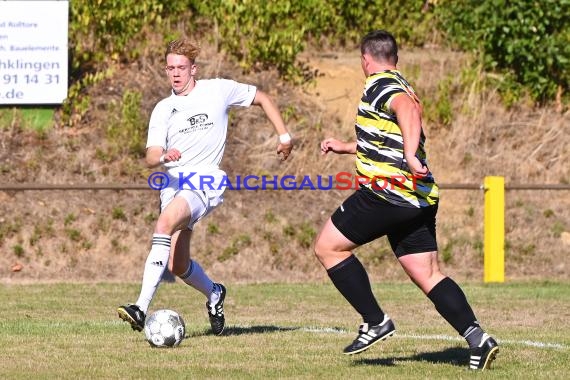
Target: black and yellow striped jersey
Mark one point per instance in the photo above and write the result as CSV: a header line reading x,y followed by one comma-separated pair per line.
x,y
380,146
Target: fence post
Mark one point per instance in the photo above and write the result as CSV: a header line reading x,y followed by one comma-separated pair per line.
x,y
494,250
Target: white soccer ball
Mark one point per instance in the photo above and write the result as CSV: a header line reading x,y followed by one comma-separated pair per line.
x,y
164,328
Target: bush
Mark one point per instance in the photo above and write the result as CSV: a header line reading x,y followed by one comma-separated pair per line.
x,y
258,34
262,34
105,30
127,134
527,41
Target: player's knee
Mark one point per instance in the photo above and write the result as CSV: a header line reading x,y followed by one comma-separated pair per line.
x,y
164,226
426,280
320,249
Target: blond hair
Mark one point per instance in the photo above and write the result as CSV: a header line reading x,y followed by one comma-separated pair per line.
x,y
183,47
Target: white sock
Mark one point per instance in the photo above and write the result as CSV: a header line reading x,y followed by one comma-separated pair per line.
x,y
154,267
199,280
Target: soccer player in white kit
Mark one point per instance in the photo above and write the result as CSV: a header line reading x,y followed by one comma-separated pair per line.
x,y
187,135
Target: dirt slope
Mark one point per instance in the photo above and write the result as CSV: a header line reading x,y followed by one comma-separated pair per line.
x,y
265,236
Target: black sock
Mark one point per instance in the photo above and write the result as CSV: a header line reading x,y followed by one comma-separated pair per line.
x,y
351,280
451,303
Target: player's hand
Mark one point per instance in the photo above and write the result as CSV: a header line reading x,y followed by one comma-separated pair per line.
x,y
172,155
333,145
418,169
285,150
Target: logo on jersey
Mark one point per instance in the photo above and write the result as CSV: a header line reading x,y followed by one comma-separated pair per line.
x,y
197,122
201,118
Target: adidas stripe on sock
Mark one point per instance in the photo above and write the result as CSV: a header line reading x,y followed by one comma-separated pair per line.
x,y
154,267
474,335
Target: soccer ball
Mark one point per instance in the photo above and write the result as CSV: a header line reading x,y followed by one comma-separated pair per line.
x,y
164,328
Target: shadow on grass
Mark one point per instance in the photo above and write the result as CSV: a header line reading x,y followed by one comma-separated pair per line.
x,y
455,356
245,330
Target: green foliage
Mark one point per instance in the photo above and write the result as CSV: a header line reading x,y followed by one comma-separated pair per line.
x,y
258,34
118,214
150,218
557,229
447,252
18,250
77,103
306,235
237,244
262,34
439,107
73,234
127,135
36,235
289,230
9,228
38,119
117,246
527,41
352,19
69,219
213,228
527,249
104,29
103,32
269,216
479,246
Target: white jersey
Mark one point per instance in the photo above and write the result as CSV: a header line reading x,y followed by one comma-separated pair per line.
x,y
196,124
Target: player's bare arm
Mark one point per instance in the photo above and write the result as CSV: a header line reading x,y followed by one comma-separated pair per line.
x,y
272,112
155,155
409,120
340,147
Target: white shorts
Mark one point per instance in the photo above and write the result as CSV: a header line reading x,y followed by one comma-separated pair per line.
x,y
201,202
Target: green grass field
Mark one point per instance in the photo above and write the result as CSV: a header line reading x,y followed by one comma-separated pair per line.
x,y
280,331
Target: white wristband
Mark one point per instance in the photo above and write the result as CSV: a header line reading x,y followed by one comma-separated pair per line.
x,y
161,159
285,138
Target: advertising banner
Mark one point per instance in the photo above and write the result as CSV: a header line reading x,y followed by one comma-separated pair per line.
x,y
33,51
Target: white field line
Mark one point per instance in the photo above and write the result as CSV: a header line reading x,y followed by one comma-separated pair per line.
x,y
336,330
529,343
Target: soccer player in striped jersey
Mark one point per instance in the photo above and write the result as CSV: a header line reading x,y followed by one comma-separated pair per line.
x,y
398,198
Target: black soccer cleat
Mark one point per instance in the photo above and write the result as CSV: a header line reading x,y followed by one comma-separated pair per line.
x,y
216,312
132,314
483,355
369,335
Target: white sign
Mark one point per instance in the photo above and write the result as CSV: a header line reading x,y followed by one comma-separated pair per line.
x,y
33,51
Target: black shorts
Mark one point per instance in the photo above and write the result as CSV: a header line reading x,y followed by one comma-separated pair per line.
x,y
364,217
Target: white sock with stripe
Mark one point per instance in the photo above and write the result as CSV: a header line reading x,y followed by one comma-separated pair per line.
x,y
154,267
